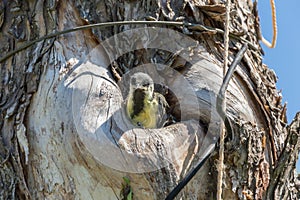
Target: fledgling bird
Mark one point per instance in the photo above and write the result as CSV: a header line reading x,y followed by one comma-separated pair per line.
x,y
145,108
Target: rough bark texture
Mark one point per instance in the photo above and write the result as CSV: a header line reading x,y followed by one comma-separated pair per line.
x,y
43,153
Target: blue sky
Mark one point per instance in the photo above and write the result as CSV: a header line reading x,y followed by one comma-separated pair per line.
x,y
284,59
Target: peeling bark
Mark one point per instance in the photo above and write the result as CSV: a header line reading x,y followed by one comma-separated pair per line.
x,y
45,153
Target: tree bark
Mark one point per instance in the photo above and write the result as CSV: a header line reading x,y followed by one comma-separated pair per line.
x,y
64,133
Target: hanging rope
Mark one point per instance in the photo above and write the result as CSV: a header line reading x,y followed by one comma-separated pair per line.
x,y
274,25
222,136
226,36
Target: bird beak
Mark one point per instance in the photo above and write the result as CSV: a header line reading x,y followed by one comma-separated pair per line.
x,y
141,87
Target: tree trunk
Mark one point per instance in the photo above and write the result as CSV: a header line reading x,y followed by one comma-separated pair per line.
x,y
64,132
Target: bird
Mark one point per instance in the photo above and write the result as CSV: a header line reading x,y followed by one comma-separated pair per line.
x,y
145,107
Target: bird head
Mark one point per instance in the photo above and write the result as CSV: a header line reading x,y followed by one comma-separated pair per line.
x,y
142,82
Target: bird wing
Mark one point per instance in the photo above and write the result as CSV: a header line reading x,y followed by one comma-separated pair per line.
x,y
163,105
